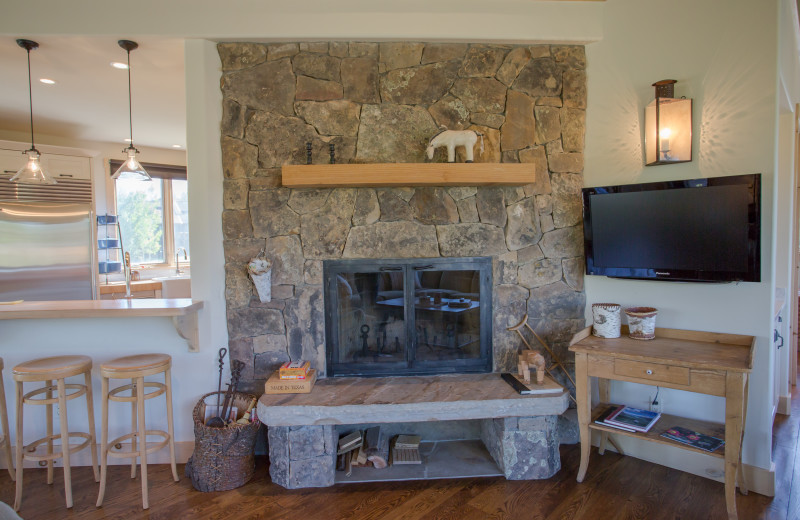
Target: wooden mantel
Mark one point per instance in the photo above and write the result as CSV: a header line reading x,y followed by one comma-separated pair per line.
x,y
183,312
407,174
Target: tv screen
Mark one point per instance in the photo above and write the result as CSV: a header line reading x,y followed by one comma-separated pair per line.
x,y
705,230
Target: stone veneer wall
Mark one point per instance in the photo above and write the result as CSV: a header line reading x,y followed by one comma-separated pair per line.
x,y
381,102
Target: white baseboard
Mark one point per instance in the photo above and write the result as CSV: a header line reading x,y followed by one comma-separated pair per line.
x,y
785,404
183,450
759,480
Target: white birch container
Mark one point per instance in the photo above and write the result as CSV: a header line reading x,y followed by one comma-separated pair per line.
x,y
641,322
606,320
260,270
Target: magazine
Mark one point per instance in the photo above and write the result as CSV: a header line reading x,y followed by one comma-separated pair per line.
x,y
633,418
692,438
611,410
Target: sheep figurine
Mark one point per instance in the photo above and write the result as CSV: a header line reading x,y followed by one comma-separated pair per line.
x,y
453,138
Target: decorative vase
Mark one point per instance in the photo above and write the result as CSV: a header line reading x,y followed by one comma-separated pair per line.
x,y
641,322
606,320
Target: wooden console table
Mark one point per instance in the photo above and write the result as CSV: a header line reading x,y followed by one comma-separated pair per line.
x,y
703,362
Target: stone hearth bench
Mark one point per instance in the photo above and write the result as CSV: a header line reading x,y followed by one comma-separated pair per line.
x,y
520,432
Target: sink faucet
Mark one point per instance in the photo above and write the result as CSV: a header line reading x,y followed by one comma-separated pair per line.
x,y
127,267
178,271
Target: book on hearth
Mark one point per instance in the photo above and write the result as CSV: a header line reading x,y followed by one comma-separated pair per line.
x,y
295,370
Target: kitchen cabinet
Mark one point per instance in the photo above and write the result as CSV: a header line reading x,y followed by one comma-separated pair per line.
x,y
57,165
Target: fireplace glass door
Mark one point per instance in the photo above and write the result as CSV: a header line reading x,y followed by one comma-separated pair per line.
x,y
406,317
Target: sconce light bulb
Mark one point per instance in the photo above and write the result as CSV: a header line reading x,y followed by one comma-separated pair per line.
x,y
665,133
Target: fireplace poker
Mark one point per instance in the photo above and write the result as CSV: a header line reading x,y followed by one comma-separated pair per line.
x,y
217,421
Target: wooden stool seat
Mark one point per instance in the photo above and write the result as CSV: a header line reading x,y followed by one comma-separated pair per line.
x,y
46,370
136,368
133,366
56,367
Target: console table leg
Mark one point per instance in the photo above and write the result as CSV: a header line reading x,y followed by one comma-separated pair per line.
x,y
583,398
605,397
734,410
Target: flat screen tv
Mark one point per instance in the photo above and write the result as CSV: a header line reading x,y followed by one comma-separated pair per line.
x,y
699,230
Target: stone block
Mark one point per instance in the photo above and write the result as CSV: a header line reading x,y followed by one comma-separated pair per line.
x,y
360,80
488,119
563,243
306,442
338,117
361,49
269,86
450,112
239,158
574,94
233,119
568,430
492,206
518,130
236,56
470,240
434,206
339,49
548,124
324,232
392,240
255,322
277,51
269,343
482,61
318,47
393,133
317,66
313,89
236,224
366,210
234,193
524,454
304,201
567,201
443,52
572,56
514,62
420,85
399,55
539,273
468,210
481,94
540,77
523,228
312,272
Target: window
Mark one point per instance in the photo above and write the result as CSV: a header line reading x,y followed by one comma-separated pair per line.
x,y
153,216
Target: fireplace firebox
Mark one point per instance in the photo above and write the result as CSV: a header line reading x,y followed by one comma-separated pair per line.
x,y
408,316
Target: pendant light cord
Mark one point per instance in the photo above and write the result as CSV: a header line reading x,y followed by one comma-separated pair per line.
x,y
130,99
30,97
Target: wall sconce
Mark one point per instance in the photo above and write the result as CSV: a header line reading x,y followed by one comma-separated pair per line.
x,y
667,126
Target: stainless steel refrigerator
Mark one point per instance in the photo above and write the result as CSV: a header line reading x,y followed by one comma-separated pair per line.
x,y
47,241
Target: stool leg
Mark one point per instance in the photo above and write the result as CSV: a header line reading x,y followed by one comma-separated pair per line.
x,y
134,425
19,448
49,419
103,443
6,433
168,383
62,412
92,431
142,434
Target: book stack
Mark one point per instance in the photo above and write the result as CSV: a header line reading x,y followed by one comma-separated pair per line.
x,y
350,451
293,377
406,450
628,418
693,438
294,370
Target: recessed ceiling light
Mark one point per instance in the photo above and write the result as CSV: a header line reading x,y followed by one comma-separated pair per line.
x,y
176,146
47,81
119,65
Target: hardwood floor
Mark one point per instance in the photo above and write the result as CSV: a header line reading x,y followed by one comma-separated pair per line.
x,y
616,487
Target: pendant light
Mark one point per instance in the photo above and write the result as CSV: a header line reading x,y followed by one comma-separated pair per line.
x,y
130,169
32,172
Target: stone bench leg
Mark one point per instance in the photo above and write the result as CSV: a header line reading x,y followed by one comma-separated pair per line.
x,y
302,456
525,448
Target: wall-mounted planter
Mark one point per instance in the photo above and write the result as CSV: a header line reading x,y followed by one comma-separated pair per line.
x,y
407,174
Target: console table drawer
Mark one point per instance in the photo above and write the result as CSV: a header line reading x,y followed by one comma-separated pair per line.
x,y
652,371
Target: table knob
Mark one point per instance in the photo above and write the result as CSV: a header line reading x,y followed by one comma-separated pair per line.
x,y
649,372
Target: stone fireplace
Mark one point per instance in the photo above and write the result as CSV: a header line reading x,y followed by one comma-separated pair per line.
x,y
381,102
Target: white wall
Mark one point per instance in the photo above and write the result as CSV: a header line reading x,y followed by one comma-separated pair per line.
x,y
724,58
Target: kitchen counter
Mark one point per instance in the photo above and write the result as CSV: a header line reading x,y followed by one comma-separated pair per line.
x,y
119,287
183,312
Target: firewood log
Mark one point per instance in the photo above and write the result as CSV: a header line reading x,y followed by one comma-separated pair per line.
x,y
376,447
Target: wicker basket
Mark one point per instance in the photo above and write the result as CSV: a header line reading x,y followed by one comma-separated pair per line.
x,y
223,458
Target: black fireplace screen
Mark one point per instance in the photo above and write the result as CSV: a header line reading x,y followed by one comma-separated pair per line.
x,y
408,317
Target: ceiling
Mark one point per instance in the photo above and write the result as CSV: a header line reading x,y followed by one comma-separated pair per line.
x,y
89,101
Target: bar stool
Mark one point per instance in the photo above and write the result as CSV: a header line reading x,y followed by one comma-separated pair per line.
x,y
4,420
47,370
136,368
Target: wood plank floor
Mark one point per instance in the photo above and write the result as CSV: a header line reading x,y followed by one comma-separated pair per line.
x,y
616,487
